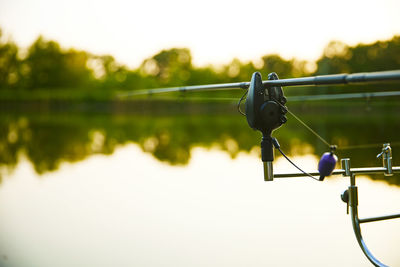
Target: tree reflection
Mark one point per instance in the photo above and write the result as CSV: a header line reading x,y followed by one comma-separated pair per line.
x,y
48,139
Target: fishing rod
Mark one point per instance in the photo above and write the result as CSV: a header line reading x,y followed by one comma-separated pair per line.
x,y
334,79
342,96
300,98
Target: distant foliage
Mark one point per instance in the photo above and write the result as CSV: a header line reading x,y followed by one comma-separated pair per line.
x,y
9,63
379,56
47,65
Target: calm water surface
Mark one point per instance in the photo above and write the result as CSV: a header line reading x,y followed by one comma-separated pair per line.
x,y
118,190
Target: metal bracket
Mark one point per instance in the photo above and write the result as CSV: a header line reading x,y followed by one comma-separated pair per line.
x,y
350,196
352,200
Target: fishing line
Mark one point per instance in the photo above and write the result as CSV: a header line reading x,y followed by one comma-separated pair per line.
x,y
309,128
190,98
229,99
332,147
277,146
240,101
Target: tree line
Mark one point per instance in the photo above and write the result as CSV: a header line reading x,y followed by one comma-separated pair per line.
x,y
46,65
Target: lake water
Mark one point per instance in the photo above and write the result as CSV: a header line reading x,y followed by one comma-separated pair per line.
x,y
167,190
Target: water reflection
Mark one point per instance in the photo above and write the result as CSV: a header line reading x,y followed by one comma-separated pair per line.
x,y
129,209
169,131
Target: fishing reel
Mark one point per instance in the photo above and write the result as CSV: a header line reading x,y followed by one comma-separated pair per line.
x,y
265,112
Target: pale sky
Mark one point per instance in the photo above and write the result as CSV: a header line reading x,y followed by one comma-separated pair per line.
x,y
215,31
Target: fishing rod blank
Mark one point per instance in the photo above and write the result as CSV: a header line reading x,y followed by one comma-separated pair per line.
x,y
338,79
342,96
208,87
334,79
300,98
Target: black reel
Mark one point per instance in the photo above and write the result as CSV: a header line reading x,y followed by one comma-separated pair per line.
x,y
265,112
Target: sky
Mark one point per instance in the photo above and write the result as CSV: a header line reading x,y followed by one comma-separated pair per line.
x,y
215,31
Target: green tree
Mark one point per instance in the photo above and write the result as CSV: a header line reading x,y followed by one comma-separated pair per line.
x,y
76,72
274,63
50,67
44,63
170,67
204,75
9,63
378,56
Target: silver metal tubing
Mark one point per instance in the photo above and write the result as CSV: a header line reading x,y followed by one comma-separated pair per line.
x,y
353,203
300,174
379,218
346,166
352,200
268,171
387,159
338,172
361,242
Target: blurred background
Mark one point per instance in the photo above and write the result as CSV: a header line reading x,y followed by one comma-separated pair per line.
x,y
88,178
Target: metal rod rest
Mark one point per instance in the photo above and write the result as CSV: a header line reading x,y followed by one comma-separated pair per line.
x,y
350,196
